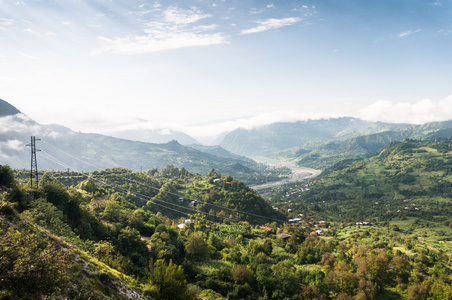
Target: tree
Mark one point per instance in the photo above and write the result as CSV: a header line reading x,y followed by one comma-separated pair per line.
x,y
416,292
167,282
241,274
30,266
129,244
284,273
196,247
6,176
267,247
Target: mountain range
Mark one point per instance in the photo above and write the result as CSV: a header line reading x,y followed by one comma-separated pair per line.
x,y
328,153
322,143
62,149
312,143
268,139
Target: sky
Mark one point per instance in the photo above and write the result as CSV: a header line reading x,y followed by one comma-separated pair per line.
x,y
205,67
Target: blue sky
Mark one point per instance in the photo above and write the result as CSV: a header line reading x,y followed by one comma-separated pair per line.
x,y
98,66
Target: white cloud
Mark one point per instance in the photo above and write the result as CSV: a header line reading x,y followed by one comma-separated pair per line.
x,y
256,11
208,133
20,123
165,131
161,41
174,31
29,56
444,32
31,31
271,24
177,15
12,145
407,33
6,22
419,112
205,27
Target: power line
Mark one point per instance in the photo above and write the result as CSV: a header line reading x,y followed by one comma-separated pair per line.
x,y
168,192
197,200
144,197
140,196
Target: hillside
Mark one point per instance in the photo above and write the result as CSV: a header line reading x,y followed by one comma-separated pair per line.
x,y
62,148
175,192
88,242
39,261
326,154
409,178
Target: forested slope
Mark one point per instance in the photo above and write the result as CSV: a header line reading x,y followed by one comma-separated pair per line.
x,y
87,239
410,178
326,154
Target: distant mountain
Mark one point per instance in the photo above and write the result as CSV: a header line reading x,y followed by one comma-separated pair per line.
x,y
7,109
61,148
329,153
219,151
162,135
268,139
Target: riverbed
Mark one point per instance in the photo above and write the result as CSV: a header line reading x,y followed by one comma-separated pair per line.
x,y
298,173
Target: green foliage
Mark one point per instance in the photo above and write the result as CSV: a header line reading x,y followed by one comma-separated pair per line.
x,y
129,244
6,177
30,265
196,247
408,179
166,282
396,258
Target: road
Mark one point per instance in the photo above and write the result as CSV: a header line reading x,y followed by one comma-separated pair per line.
x,y
298,173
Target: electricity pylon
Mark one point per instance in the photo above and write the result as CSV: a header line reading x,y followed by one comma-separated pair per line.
x,y
34,163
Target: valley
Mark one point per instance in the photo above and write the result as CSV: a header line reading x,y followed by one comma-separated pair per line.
x,y
201,222
297,173
226,150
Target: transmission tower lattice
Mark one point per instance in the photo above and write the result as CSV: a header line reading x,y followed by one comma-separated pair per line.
x,y
34,164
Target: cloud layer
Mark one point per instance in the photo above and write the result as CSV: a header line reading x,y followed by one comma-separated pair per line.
x,y
419,112
269,24
174,30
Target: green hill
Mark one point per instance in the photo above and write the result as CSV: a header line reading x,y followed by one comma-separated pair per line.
x,y
409,178
213,197
102,238
323,155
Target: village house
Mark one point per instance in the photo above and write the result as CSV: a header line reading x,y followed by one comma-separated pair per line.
x,y
284,236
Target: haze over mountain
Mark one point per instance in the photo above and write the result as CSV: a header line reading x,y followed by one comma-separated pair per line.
x,y
321,155
157,135
63,148
267,139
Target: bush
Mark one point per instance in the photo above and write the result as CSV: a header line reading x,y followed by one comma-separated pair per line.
x,y
31,267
